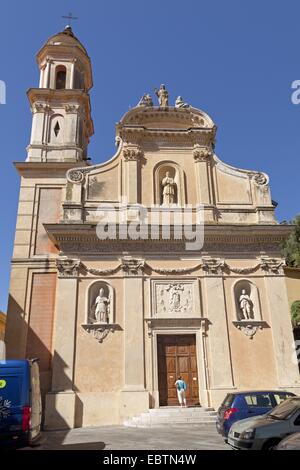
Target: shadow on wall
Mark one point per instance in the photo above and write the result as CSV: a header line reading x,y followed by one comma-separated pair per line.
x,y
23,342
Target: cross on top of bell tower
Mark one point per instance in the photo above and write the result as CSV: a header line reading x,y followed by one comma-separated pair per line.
x,y
70,17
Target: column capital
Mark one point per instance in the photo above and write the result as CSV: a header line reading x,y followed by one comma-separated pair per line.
x,y
272,265
213,266
132,153
133,266
201,153
67,267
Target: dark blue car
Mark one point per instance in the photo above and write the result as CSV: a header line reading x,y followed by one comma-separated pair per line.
x,y
20,400
241,405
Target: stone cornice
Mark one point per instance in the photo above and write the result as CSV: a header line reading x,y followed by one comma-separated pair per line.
x,y
44,169
203,137
78,237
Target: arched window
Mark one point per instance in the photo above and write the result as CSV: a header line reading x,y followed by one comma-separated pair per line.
x,y
60,77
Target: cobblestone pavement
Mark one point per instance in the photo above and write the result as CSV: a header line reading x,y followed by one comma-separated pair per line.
x,y
183,437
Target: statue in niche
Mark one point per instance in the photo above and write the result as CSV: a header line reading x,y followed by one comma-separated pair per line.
x,y
163,96
246,306
102,305
168,185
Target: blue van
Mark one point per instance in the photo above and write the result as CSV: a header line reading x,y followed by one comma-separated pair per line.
x,y
241,405
20,400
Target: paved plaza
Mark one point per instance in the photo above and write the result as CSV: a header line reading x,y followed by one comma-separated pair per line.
x,y
181,437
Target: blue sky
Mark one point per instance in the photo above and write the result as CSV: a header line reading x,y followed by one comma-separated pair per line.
x,y
236,60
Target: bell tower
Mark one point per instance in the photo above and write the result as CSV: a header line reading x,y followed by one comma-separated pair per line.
x,y
61,123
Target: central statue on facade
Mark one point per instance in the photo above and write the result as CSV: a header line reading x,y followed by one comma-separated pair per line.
x,y
168,191
163,96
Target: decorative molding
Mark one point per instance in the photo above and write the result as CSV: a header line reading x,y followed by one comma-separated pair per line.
x,y
202,137
74,238
169,271
272,265
201,154
213,266
249,327
187,117
72,108
247,270
133,266
102,272
100,331
186,323
68,267
75,176
260,179
132,154
41,108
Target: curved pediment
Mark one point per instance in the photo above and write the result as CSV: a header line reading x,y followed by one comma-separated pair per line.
x,y
166,118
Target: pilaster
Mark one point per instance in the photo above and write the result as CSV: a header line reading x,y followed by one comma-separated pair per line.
x,y
134,397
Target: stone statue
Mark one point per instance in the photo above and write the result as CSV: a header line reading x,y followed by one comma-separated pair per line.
x,y
245,305
145,100
175,297
168,185
179,103
102,307
163,96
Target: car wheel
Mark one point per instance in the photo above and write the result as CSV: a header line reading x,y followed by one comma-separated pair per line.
x,y
270,445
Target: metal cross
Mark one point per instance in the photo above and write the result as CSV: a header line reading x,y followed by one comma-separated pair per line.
x,y
70,17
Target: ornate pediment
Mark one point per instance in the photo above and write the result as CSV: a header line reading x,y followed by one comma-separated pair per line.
x,y
166,118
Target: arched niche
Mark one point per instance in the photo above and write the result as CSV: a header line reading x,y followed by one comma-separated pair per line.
x,y
100,303
56,129
60,77
176,173
246,301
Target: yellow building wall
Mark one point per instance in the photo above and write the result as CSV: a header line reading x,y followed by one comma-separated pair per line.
x,y
292,277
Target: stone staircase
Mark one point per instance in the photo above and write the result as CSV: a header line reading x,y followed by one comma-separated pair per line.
x,y
172,416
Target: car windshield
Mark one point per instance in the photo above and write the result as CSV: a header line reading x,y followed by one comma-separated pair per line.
x,y
286,409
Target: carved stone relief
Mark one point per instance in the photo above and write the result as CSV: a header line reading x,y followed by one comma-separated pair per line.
x,y
175,299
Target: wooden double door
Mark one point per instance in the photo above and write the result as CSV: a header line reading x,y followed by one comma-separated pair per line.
x,y
177,357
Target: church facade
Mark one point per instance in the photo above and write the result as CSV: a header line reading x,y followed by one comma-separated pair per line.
x,y
108,287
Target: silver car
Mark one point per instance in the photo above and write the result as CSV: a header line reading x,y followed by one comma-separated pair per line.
x,y
266,431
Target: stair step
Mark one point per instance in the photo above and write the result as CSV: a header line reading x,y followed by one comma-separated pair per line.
x,y
173,416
